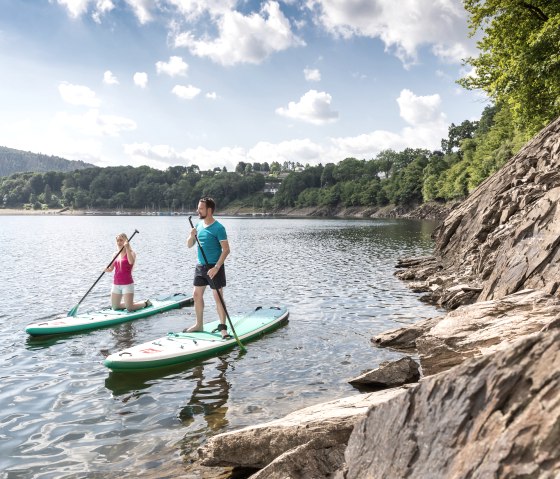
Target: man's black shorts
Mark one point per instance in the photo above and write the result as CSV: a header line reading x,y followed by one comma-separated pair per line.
x,y
201,277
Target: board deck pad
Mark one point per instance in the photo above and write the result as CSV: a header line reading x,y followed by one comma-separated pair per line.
x,y
107,316
176,348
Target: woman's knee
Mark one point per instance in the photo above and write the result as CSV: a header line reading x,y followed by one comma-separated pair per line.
x,y
128,300
115,300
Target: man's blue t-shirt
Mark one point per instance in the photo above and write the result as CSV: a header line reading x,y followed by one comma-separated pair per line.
x,y
210,238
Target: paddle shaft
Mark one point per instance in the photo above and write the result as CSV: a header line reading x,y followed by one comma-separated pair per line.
x,y
213,285
101,275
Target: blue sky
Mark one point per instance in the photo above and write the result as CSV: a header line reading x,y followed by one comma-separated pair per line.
x,y
215,82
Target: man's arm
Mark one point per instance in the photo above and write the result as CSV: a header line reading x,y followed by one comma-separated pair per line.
x,y
225,252
191,240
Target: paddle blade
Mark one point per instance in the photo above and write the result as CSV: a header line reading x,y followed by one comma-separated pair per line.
x,y
73,311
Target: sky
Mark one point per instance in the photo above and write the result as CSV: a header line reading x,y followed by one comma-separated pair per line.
x,y
215,82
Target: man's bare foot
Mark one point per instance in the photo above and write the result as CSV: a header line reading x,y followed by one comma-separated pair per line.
x,y
193,329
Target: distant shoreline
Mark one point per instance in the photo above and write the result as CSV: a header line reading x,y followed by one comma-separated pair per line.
x,y
426,211
58,212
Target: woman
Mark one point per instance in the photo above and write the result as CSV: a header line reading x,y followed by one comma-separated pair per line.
x,y
122,292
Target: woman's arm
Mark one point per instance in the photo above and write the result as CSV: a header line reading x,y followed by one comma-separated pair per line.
x,y
131,255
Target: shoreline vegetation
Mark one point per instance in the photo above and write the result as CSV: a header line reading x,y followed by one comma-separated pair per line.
x,y
427,211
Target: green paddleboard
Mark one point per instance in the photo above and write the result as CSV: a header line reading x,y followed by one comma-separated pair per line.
x,y
177,348
106,317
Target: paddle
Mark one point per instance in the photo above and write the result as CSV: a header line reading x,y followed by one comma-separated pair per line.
x,y
218,291
74,310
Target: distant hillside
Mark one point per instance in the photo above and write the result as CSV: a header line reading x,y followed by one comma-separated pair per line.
x,y
16,161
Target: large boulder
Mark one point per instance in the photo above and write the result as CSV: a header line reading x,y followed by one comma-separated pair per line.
x,y
494,416
389,374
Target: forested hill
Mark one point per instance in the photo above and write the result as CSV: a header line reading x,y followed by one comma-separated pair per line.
x,y
18,161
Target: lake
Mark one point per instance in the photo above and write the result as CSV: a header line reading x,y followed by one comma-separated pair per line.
x,y
63,414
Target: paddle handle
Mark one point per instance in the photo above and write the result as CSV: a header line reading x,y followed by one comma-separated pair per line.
x,y
101,275
217,290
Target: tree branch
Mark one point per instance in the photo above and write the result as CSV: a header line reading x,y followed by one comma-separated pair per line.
x,y
536,10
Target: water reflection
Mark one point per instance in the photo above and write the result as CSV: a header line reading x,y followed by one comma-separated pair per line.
x,y
209,395
124,336
335,277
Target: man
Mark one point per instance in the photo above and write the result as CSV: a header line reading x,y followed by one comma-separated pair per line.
x,y
213,240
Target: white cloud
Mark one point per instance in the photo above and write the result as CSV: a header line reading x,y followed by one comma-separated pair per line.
x,y
403,26
312,74
313,107
109,78
427,125
174,67
452,53
163,156
141,9
78,95
212,95
244,38
417,110
298,150
141,79
187,92
92,123
102,7
193,9
366,145
75,7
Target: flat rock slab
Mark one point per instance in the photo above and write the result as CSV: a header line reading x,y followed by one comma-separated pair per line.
x,y
327,424
484,327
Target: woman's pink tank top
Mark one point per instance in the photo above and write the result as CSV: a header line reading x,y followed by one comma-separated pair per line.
x,y
123,271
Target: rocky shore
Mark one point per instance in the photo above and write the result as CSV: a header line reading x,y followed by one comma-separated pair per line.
x,y
426,211
487,403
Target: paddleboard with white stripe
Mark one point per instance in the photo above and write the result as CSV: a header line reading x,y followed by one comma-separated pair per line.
x,y
177,348
106,316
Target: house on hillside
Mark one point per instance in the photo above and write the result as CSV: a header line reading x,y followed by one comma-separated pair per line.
x,y
271,187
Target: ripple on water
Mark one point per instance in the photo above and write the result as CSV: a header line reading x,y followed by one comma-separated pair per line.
x,y
66,415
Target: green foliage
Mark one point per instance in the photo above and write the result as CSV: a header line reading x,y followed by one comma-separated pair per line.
x,y
519,63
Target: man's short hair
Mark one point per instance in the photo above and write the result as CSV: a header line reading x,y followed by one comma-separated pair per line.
x,y
209,202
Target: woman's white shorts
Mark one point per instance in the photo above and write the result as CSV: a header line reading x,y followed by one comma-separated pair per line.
x,y
122,288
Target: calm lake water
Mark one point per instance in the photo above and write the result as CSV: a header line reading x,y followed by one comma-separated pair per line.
x,y
63,414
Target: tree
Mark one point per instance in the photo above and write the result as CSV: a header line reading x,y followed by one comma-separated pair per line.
x,y
327,177
275,167
385,161
240,168
457,134
48,193
349,169
519,63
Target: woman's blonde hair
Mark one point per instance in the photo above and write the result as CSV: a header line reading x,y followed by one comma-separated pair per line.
x,y
122,235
